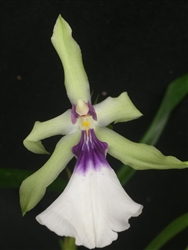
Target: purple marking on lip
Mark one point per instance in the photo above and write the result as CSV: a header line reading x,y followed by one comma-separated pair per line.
x,y
90,152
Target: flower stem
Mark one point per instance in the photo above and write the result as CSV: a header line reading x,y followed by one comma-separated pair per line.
x,y
169,232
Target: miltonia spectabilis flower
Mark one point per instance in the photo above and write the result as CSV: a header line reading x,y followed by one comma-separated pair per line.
x,y
94,206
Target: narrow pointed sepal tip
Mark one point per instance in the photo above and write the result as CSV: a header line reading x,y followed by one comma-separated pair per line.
x,y
23,212
24,207
35,147
76,81
31,192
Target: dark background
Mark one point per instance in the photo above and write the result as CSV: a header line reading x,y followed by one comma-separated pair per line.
x,y
133,46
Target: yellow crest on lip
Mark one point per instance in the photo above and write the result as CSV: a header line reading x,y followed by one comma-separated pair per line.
x,y
86,124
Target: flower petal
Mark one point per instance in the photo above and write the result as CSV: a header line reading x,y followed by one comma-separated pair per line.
x,y
76,81
92,208
119,109
137,155
34,187
59,125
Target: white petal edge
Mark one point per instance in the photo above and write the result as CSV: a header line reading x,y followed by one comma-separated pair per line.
x,y
76,81
119,109
137,155
92,209
59,125
34,187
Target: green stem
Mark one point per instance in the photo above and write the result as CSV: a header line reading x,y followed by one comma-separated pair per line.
x,y
169,232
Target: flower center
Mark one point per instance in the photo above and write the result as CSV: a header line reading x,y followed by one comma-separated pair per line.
x,y
90,152
81,108
86,124
86,114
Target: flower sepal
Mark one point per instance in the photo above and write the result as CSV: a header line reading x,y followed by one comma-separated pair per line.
x,y
76,80
59,125
118,109
139,156
34,187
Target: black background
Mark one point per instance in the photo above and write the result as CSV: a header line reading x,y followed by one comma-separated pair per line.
x,y
133,46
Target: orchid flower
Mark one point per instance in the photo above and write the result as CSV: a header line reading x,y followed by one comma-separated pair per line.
x,y
94,206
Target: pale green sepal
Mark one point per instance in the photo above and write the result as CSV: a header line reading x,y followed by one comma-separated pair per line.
x,y
76,81
119,109
34,187
59,125
35,147
137,155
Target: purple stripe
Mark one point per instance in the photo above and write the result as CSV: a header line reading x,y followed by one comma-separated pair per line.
x,y
90,152
92,111
74,115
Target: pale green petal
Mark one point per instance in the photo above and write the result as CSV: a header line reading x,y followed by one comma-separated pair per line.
x,y
137,155
119,109
59,125
34,187
76,81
